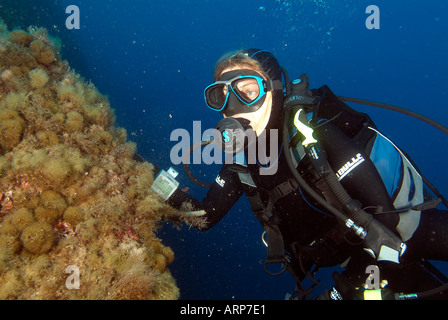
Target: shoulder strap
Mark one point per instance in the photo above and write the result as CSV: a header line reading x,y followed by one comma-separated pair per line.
x,y
263,211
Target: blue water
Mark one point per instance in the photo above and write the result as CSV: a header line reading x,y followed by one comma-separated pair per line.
x,y
153,59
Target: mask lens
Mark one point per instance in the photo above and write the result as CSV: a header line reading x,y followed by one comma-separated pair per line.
x,y
247,89
216,96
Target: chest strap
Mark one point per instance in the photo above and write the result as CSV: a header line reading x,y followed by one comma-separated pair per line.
x,y
264,211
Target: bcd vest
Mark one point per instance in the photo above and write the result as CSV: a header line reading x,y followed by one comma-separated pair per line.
x,y
370,166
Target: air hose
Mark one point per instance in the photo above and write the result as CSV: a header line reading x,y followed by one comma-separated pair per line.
x,y
422,295
397,109
186,161
414,114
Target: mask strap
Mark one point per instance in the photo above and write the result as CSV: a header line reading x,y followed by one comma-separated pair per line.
x,y
272,85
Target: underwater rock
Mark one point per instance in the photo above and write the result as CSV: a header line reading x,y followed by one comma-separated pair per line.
x,y
41,52
21,37
37,237
11,128
22,218
38,78
73,215
71,194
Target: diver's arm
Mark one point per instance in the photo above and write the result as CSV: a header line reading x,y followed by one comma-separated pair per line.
x,y
218,201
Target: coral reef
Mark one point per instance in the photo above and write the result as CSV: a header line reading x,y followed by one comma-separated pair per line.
x,y
71,193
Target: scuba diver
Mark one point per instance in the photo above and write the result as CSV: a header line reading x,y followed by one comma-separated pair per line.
x,y
339,192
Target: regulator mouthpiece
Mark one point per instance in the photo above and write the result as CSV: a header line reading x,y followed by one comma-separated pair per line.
x,y
232,134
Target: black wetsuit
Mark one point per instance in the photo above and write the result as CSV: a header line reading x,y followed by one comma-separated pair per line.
x,y
302,222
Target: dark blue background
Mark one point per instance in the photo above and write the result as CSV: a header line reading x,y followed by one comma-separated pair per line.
x,y
154,58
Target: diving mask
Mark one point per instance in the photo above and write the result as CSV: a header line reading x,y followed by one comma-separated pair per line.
x,y
239,91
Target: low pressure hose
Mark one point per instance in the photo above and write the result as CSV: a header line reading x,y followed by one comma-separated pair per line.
x,y
335,186
423,294
186,161
350,206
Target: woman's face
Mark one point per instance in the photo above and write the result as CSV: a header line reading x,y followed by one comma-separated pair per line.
x,y
258,119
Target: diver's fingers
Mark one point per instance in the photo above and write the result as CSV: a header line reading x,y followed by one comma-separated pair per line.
x,y
194,213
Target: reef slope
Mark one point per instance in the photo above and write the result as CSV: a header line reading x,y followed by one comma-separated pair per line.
x,y
78,219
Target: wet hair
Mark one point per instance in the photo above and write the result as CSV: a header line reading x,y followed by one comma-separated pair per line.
x,y
239,60
258,60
